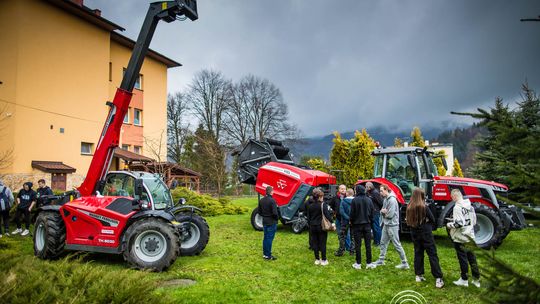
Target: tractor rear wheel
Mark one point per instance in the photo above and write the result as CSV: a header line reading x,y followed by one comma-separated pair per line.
x,y
49,235
152,244
196,234
488,231
256,220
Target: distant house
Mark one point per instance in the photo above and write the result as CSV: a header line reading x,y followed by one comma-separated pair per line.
x,y
60,61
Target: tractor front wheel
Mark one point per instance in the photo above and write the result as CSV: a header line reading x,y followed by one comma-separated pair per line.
x,y
49,235
256,220
488,231
152,244
196,234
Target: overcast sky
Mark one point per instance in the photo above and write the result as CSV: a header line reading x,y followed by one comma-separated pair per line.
x,y
345,65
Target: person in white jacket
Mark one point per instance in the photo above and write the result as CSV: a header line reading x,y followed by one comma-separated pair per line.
x,y
462,232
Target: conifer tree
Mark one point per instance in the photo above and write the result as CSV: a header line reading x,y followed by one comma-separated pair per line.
x,y
457,169
417,140
437,159
398,143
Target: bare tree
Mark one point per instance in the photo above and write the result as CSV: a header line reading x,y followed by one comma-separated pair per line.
x,y
209,97
177,125
257,110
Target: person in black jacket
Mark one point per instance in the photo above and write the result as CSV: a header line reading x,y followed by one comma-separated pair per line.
x,y
43,193
26,199
269,213
421,220
361,217
377,200
316,209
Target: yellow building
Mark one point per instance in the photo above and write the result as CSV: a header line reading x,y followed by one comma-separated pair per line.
x,y
60,62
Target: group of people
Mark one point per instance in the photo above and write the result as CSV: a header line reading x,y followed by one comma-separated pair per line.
x,y
27,198
368,212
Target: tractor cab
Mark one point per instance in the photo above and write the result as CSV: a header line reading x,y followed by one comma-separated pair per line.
x,y
153,191
406,168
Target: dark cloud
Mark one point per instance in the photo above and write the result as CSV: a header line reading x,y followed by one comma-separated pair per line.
x,y
343,65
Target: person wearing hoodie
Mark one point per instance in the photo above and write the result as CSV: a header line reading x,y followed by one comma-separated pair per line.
x,y
390,231
43,193
461,230
377,200
334,204
316,209
344,232
26,199
361,216
421,220
6,202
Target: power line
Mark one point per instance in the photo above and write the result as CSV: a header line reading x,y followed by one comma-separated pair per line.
x,y
47,111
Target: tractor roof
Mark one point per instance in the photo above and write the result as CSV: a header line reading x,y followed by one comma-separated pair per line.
x,y
402,150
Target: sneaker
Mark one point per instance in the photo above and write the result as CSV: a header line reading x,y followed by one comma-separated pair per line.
x,y
476,283
273,258
420,279
17,231
324,262
461,282
25,232
357,266
379,262
403,265
6,234
371,266
265,257
317,262
338,253
439,283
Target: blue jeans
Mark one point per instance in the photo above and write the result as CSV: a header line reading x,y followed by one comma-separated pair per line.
x,y
376,226
269,233
348,238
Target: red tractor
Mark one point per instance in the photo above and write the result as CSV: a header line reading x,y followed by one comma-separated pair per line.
x,y
129,213
402,169
268,163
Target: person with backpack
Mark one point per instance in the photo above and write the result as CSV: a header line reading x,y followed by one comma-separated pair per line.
x,y
26,199
361,216
343,233
421,220
316,210
43,193
390,231
269,213
461,230
6,202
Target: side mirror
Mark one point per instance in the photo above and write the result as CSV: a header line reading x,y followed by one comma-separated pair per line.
x,y
139,187
412,161
181,201
444,163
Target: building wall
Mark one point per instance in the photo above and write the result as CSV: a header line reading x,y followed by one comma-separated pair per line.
x,y
55,82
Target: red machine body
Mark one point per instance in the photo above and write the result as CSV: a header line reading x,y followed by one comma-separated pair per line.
x,y
286,180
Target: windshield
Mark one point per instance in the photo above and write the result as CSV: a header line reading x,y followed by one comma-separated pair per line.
x,y
400,173
159,192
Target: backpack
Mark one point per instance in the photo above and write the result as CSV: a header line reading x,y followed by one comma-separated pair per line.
x,y
4,200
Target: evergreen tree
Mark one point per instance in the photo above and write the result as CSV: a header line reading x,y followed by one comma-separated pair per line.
x,y
437,159
317,163
398,143
352,157
417,140
457,169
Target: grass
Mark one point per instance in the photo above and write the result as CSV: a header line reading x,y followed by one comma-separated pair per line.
x,y
231,268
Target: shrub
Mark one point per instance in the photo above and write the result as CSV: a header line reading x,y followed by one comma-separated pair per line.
x,y
209,205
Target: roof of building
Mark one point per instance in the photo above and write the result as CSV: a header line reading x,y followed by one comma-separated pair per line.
x,y
52,166
94,17
131,156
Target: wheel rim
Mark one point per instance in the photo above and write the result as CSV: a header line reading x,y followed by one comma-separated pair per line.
x,y
259,220
483,230
40,237
150,246
191,237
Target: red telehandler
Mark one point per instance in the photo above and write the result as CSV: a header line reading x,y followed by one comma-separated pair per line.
x,y
120,212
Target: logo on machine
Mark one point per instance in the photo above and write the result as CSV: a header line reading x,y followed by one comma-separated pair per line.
x,y
107,231
282,170
281,184
104,220
106,241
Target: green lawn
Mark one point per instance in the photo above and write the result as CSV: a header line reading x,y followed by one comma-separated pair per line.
x,y
231,268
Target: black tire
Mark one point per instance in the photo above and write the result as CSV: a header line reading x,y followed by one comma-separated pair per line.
x,y
196,236
300,225
256,220
49,235
489,229
161,242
